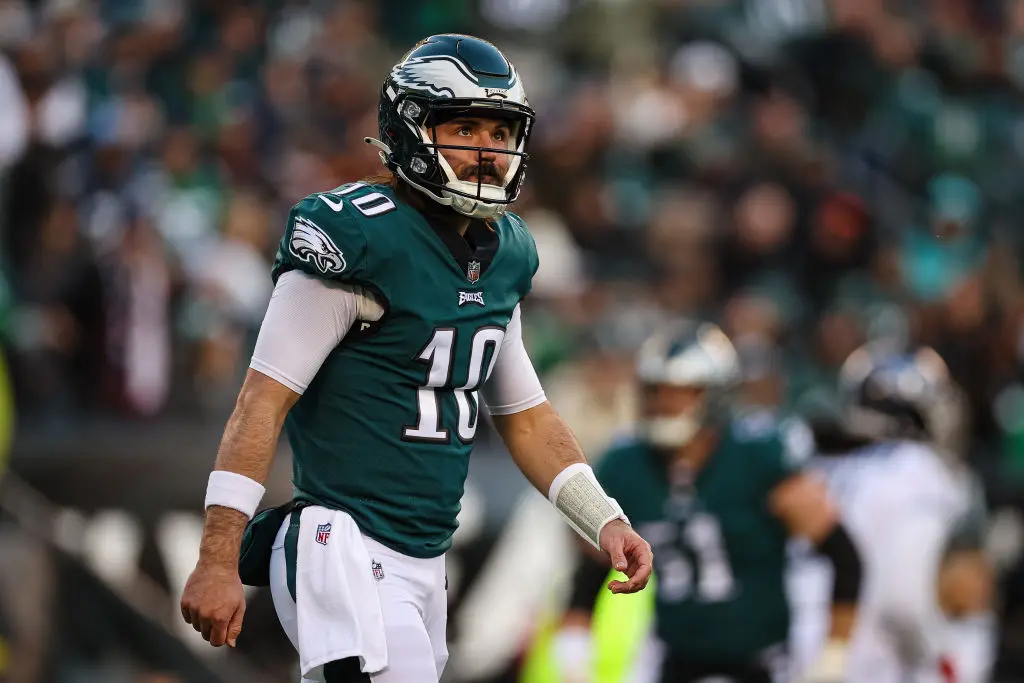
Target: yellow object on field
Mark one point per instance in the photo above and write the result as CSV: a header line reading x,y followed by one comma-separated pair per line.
x,y
6,414
619,626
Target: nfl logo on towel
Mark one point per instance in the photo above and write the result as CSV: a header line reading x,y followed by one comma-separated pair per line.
x,y
323,532
378,571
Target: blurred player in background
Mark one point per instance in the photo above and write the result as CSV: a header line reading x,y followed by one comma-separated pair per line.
x,y
718,495
918,519
394,303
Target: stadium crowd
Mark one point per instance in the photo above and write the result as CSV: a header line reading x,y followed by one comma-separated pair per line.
x,y
810,173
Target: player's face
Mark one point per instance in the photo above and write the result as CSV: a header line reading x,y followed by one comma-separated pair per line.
x,y
665,400
495,135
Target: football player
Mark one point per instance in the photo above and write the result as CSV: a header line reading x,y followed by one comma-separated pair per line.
x,y
395,311
717,495
918,517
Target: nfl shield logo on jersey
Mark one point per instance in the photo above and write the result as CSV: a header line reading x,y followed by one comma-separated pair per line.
x,y
473,271
378,571
323,532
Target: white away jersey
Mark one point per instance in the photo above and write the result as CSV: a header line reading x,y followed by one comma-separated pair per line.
x,y
900,502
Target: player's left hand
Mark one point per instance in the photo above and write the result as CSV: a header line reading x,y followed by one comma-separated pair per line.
x,y
830,666
629,553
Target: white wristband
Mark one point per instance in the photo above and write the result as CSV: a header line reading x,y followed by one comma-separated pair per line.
x,y
578,496
235,491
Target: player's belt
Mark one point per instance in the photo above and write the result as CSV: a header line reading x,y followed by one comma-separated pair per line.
x,y
291,546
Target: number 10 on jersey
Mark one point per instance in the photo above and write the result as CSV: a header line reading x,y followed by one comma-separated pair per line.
x,y
439,355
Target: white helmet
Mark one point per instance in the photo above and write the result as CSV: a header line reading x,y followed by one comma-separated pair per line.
x,y
687,354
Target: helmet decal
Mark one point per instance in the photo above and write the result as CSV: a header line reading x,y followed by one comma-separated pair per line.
x,y
439,75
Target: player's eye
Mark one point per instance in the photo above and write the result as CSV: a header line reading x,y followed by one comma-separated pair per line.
x,y
464,130
501,135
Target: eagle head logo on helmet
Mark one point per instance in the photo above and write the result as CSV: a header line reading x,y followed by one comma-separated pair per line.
x,y
445,76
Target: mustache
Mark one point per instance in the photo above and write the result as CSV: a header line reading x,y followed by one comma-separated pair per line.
x,y
481,171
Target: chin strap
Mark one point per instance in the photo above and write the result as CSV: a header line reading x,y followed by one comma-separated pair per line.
x,y
490,211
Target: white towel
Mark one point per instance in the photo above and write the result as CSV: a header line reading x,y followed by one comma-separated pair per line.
x,y
339,612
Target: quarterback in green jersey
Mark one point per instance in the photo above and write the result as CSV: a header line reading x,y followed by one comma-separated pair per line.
x,y
394,318
717,493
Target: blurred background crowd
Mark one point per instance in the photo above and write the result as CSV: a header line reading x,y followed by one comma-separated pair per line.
x,y
811,173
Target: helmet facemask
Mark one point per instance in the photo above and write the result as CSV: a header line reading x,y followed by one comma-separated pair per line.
x,y
671,430
429,171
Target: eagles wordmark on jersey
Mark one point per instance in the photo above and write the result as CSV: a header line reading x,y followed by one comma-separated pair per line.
x,y
385,430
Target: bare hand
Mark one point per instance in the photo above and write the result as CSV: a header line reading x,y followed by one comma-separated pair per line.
x,y
629,553
214,603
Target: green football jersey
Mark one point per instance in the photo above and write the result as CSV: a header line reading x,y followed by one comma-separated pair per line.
x,y
719,554
385,429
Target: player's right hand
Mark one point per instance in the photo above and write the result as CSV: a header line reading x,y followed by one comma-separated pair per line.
x,y
214,603
629,553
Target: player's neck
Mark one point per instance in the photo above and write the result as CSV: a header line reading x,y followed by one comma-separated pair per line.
x,y
451,220
695,454
442,217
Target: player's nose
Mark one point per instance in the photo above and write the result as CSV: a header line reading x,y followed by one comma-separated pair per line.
x,y
488,153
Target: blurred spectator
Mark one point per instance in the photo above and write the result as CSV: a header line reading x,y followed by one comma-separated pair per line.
x,y
811,173
58,330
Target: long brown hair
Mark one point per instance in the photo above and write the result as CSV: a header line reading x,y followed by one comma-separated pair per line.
x,y
401,189
385,178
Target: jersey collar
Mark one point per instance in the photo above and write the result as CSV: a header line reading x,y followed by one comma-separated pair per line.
x,y
479,244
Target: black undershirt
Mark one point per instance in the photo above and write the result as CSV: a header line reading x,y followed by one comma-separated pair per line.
x,y
480,243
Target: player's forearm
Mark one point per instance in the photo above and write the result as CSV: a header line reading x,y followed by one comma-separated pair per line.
x,y
548,454
540,442
250,436
222,536
844,618
848,573
247,448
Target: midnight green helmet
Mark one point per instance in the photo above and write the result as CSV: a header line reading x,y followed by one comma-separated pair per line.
x,y
442,77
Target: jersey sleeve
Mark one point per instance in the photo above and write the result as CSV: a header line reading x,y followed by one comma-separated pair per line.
x,y
306,319
529,247
785,446
793,447
323,238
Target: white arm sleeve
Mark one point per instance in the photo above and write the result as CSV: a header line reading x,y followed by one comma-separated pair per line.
x,y
513,385
307,317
